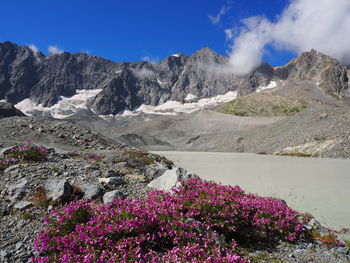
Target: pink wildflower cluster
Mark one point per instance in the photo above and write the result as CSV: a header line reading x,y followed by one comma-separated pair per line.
x,y
199,222
93,157
26,152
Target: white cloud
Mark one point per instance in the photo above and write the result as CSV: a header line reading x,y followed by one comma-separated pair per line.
x,y
229,33
216,19
33,48
303,25
54,50
151,59
143,73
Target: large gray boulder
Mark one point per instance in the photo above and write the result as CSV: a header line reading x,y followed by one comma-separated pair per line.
x,y
18,190
111,195
58,189
91,191
170,179
153,171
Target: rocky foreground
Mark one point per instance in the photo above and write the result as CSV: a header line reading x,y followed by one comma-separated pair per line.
x,y
76,164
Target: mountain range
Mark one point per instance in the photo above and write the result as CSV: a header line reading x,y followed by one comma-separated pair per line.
x,y
26,73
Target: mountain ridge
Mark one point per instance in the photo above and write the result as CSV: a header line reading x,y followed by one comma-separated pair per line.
x,y
29,74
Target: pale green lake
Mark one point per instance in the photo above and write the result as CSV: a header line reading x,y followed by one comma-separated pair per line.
x,y
318,186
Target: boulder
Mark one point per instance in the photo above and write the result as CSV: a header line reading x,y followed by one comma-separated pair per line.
x,y
170,179
23,205
58,189
17,191
91,191
153,171
110,196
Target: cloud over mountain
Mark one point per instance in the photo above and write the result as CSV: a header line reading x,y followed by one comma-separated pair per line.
x,y
303,25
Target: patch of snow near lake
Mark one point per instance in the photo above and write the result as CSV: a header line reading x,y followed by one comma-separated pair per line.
x,y
175,107
272,84
3,101
65,107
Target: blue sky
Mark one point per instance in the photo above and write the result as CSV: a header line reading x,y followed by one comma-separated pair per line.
x,y
131,30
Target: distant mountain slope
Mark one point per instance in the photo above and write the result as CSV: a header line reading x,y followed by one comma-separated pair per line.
x,y
49,80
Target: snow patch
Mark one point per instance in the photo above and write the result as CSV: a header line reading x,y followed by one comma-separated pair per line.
x,y
3,101
272,84
176,55
65,107
118,71
190,97
175,107
161,82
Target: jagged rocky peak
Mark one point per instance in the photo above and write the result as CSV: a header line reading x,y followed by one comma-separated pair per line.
x,y
314,67
207,56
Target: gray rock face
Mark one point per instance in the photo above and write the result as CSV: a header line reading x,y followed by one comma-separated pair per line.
x,y
23,205
25,73
16,191
91,191
58,189
170,179
110,196
153,171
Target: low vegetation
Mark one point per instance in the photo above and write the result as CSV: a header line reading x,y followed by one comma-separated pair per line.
x,y
199,222
259,105
24,153
148,158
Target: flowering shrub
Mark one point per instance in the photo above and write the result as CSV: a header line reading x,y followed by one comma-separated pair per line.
x,y
93,157
199,222
28,152
24,153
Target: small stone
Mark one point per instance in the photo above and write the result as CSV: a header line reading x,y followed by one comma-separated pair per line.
x,y
4,254
96,173
19,245
110,196
115,181
23,205
111,173
342,250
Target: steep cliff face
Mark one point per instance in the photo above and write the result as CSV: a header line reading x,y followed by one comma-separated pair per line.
x,y
45,80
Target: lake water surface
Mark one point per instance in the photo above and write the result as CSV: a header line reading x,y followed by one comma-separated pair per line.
x,y
318,186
